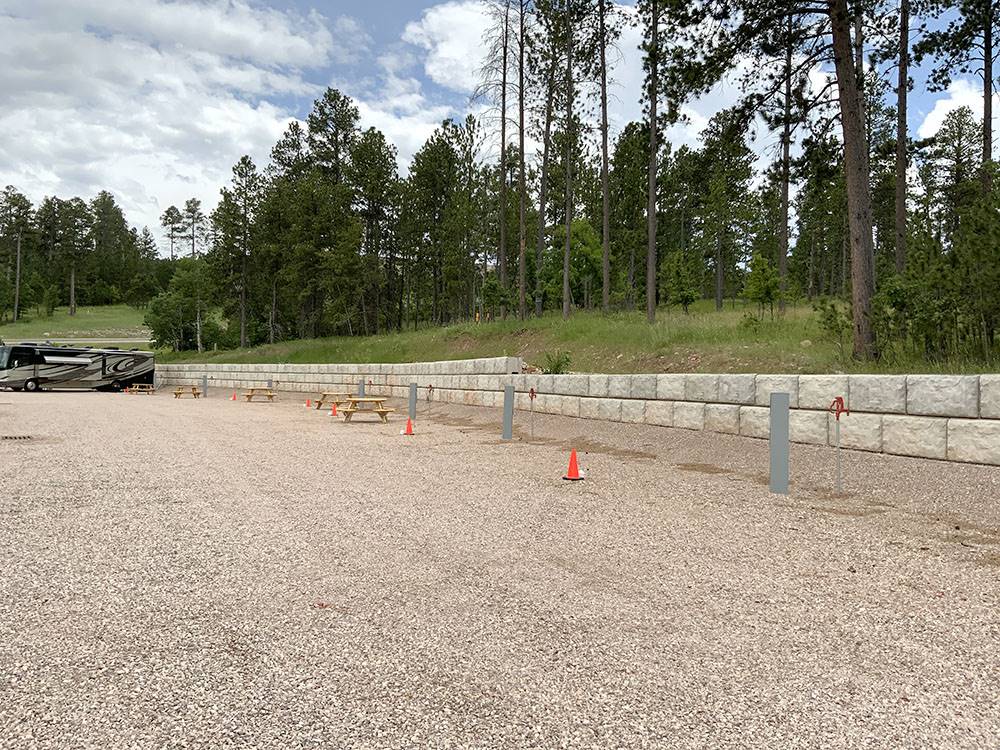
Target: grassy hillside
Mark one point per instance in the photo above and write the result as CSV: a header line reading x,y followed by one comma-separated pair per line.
x,y
110,322
704,341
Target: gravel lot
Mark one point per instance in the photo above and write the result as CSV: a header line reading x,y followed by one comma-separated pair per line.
x,y
179,573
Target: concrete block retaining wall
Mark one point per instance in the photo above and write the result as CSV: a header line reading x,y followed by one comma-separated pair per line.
x,y
948,417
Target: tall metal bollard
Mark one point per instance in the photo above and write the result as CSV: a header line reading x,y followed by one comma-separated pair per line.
x,y
270,383
204,386
779,443
508,412
361,387
413,401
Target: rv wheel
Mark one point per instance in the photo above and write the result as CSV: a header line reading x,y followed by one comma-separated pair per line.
x,y
116,386
31,385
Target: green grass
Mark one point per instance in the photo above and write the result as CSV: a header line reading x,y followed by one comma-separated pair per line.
x,y
105,322
703,341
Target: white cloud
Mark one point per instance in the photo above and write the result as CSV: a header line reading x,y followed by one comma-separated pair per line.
x,y
153,101
451,34
961,93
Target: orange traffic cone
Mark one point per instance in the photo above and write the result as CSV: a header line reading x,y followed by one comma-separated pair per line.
x,y
333,409
409,427
309,403
234,396
573,473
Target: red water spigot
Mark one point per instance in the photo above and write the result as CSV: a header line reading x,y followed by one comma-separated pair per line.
x,y
838,407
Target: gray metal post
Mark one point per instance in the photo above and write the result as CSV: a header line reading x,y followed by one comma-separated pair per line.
x,y
204,386
361,387
508,412
779,443
840,471
270,383
413,400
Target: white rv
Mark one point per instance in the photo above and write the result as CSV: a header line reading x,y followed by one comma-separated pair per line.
x,y
35,366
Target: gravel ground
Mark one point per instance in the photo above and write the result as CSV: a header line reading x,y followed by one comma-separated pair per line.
x,y
179,573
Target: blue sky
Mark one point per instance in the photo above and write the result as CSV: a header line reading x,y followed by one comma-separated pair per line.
x,y
156,100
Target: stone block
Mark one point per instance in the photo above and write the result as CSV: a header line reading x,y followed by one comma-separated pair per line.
x,y
554,404
544,383
974,440
598,387
737,389
643,386
619,386
571,385
881,394
701,388
989,396
521,384
943,395
925,437
722,418
670,387
806,426
570,406
689,415
767,384
610,409
754,421
660,413
633,410
818,391
590,408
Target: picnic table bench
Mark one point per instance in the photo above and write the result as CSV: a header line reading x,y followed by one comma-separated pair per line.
x,y
358,403
249,393
148,388
187,390
337,398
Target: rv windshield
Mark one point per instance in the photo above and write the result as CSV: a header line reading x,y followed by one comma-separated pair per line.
x,y
4,354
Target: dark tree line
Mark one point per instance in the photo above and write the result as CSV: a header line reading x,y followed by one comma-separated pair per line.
x,y
73,252
329,238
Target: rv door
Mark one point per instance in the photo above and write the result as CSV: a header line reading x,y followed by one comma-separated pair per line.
x,y
22,356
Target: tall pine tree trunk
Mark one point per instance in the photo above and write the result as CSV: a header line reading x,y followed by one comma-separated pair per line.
x,y
654,64
197,323
272,318
809,274
786,143
859,207
543,189
720,274
502,254
605,188
568,166
17,278
901,138
522,294
987,94
243,303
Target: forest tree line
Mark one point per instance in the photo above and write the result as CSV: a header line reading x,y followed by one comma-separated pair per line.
x,y
329,238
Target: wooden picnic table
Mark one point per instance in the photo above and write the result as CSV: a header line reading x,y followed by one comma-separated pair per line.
x,y
249,394
335,397
357,403
148,388
187,390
